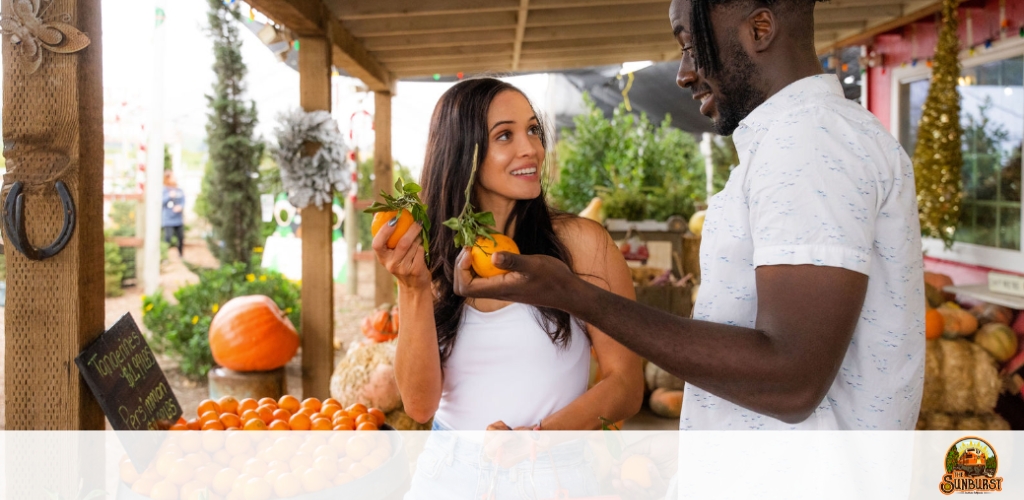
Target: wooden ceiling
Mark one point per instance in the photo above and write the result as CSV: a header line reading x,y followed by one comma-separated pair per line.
x,y
380,41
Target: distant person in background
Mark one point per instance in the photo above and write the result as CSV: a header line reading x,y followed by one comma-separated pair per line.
x,y
172,219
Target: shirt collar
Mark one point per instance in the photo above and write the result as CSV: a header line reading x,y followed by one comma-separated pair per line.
x,y
793,95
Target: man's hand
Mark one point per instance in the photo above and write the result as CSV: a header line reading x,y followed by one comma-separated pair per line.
x,y
533,279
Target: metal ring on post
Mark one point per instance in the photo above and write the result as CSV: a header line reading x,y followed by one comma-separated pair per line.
x,y
14,222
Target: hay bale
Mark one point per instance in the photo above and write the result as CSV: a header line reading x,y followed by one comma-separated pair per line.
x,y
940,421
403,422
960,378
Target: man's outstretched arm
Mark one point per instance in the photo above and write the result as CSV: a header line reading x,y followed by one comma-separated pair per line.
x,y
782,367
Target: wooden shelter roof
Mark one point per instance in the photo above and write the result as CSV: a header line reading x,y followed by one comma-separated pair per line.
x,y
380,41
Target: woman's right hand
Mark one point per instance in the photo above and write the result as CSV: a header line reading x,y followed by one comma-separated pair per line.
x,y
407,261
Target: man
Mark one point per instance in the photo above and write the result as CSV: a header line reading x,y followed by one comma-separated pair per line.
x,y
172,217
811,308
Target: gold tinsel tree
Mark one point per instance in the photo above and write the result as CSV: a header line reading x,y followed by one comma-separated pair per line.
x,y
937,157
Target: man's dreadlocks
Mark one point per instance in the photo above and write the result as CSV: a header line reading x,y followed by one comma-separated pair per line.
x,y
704,45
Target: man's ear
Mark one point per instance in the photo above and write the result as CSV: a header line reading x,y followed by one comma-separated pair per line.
x,y
761,29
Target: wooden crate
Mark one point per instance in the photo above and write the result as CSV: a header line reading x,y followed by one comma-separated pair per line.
x,y
671,299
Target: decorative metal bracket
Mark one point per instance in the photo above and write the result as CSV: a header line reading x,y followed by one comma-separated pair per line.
x,y
14,223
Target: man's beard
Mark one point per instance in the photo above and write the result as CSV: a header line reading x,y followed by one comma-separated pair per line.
x,y
738,92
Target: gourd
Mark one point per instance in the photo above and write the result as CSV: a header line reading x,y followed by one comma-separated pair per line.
x,y
697,222
960,377
251,333
956,321
998,339
991,313
657,378
666,403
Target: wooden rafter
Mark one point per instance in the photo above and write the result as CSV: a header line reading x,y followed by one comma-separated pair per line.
x,y
349,10
311,18
868,34
517,47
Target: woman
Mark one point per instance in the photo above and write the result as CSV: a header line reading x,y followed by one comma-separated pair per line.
x,y
484,364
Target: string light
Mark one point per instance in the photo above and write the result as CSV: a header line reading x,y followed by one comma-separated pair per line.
x,y
437,76
459,75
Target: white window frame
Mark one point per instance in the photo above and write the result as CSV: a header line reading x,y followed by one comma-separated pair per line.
x,y
964,253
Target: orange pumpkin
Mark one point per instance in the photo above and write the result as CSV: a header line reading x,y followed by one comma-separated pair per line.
x,y
934,324
252,334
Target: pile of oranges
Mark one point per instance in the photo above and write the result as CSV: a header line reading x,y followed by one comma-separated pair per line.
x,y
239,465
285,414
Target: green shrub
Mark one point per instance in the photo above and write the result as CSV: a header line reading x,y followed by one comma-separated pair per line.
x,y
641,171
182,330
113,269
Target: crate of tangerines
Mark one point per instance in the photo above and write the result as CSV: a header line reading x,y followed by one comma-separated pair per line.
x,y
285,414
242,465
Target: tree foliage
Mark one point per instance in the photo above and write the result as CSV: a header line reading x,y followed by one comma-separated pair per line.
x,y
231,186
639,169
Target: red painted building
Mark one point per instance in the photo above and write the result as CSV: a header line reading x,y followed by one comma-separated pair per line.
x,y
992,101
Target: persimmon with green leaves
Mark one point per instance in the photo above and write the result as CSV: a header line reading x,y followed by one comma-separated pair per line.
x,y
476,230
407,207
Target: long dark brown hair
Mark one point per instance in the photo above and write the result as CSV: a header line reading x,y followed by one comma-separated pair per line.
x,y
459,123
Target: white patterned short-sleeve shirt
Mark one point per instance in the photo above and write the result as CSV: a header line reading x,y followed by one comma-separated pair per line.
x,y
820,182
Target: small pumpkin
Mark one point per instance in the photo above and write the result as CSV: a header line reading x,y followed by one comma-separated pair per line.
x,y
251,333
934,324
957,322
666,403
998,339
939,281
991,313
657,378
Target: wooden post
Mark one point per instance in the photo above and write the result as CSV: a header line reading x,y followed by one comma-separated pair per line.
x,y
383,172
53,130
317,267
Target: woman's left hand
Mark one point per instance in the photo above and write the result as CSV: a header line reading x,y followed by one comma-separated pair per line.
x,y
510,448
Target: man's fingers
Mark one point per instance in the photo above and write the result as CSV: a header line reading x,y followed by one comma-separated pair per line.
x,y
507,261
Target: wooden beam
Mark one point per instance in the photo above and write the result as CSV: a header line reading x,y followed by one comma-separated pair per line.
x,y
584,4
857,13
517,47
304,17
840,26
624,13
311,18
867,35
419,25
53,128
597,60
440,40
382,9
317,262
626,53
611,41
501,63
356,60
383,173
390,57
379,9
597,30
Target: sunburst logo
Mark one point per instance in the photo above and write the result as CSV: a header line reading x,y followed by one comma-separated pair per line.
x,y
971,466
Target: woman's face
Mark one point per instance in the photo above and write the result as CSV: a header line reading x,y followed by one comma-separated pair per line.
x,y
515,152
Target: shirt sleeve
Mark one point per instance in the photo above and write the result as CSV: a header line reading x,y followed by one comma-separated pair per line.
x,y
813,194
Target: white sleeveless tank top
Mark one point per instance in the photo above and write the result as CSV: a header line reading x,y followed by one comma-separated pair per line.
x,y
505,367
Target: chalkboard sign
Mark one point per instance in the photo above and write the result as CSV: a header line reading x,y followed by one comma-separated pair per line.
x,y
123,375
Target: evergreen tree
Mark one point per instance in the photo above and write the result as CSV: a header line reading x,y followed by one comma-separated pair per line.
x,y
231,184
